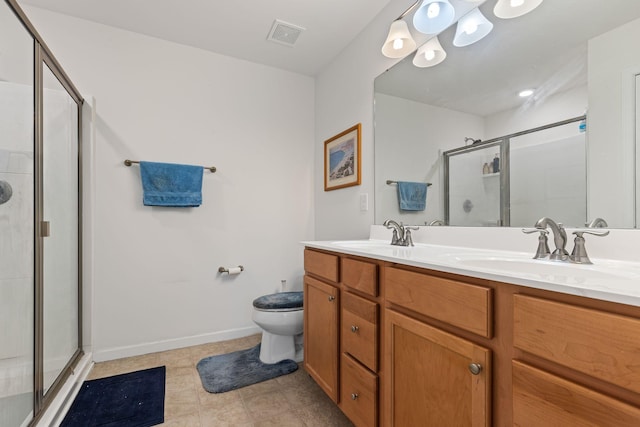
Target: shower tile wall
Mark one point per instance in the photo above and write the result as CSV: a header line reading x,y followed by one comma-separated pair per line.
x,y
474,198
549,179
16,242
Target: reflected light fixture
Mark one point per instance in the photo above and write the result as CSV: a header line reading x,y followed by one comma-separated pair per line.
x,y
399,42
525,93
471,28
507,9
433,16
429,54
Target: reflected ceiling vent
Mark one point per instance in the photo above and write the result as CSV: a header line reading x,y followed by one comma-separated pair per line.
x,y
284,33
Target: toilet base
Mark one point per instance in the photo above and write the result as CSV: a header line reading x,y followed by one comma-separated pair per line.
x,y
275,348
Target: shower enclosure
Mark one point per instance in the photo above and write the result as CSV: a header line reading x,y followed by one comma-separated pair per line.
x,y
40,252
541,172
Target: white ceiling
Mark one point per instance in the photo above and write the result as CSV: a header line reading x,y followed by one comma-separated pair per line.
x,y
236,28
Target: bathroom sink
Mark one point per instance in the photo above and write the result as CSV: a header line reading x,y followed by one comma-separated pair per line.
x,y
545,269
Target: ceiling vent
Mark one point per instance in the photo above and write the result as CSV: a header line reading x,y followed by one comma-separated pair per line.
x,y
284,33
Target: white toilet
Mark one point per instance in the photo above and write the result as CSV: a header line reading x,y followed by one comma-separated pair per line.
x,y
281,318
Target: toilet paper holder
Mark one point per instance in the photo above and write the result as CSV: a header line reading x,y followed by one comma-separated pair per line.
x,y
226,270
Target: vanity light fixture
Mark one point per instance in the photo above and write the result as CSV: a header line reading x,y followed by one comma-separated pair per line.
x,y
471,28
525,93
399,42
433,16
429,54
507,9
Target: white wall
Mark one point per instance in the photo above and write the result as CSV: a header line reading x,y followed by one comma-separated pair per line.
x,y
344,97
614,60
156,283
409,145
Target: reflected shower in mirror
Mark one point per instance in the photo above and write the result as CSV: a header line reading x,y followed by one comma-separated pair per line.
x,y
578,57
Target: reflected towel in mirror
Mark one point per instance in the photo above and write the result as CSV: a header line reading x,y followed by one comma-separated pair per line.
x,y
412,196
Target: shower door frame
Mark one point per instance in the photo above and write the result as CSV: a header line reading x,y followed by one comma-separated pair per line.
x,y
504,142
43,57
42,398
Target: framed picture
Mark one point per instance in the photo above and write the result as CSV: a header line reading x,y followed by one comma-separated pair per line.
x,y
342,159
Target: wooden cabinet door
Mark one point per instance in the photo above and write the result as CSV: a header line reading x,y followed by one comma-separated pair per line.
x,y
321,353
430,382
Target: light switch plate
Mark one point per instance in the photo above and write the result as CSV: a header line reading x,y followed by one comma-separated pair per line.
x,y
364,202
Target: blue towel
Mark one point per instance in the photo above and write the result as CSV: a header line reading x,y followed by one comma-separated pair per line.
x,y
168,184
412,196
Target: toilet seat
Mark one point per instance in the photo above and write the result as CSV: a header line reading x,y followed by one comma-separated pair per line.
x,y
280,302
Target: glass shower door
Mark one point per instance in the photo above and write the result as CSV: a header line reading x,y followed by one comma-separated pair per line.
x,y
60,229
473,187
16,221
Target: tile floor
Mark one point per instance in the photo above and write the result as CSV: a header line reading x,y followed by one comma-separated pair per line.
x,y
291,400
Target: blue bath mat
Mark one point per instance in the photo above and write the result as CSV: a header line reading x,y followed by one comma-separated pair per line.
x,y
135,399
231,371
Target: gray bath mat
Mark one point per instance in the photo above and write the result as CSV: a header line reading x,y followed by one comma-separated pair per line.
x,y
231,371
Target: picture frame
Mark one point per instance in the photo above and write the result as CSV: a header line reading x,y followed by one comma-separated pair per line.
x,y
342,159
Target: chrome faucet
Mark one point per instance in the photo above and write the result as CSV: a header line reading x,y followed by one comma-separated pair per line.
x,y
398,232
435,222
401,234
559,238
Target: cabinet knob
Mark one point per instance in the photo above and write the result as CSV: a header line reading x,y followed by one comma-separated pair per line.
x,y
354,396
354,329
331,298
475,368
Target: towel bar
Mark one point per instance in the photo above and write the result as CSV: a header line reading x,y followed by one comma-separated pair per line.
x,y
389,182
128,162
226,270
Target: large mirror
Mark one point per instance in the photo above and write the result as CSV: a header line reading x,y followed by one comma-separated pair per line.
x,y
580,57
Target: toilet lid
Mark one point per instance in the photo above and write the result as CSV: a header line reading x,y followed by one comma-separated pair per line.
x,y
280,301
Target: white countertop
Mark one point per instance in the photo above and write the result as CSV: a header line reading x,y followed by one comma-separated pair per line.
x,y
606,279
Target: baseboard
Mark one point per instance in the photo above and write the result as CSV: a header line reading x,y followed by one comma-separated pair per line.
x,y
58,408
154,347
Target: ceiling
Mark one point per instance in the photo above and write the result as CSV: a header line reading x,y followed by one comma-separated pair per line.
x,y
236,28
545,50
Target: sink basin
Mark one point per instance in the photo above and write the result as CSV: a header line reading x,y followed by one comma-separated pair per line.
x,y
550,270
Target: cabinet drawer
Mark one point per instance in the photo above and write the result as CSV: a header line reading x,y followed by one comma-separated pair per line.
x,y
360,329
466,306
321,264
542,399
360,275
358,393
600,344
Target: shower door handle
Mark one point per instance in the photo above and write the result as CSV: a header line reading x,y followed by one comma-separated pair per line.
x,y
45,228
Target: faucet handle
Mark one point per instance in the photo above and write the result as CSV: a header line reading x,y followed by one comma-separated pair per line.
x,y
543,250
535,230
593,232
579,253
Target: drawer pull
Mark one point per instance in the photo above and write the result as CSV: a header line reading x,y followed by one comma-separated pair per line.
x,y
475,368
354,396
331,298
354,329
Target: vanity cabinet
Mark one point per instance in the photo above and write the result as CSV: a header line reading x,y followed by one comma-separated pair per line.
x,y
435,377
396,345
321,317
